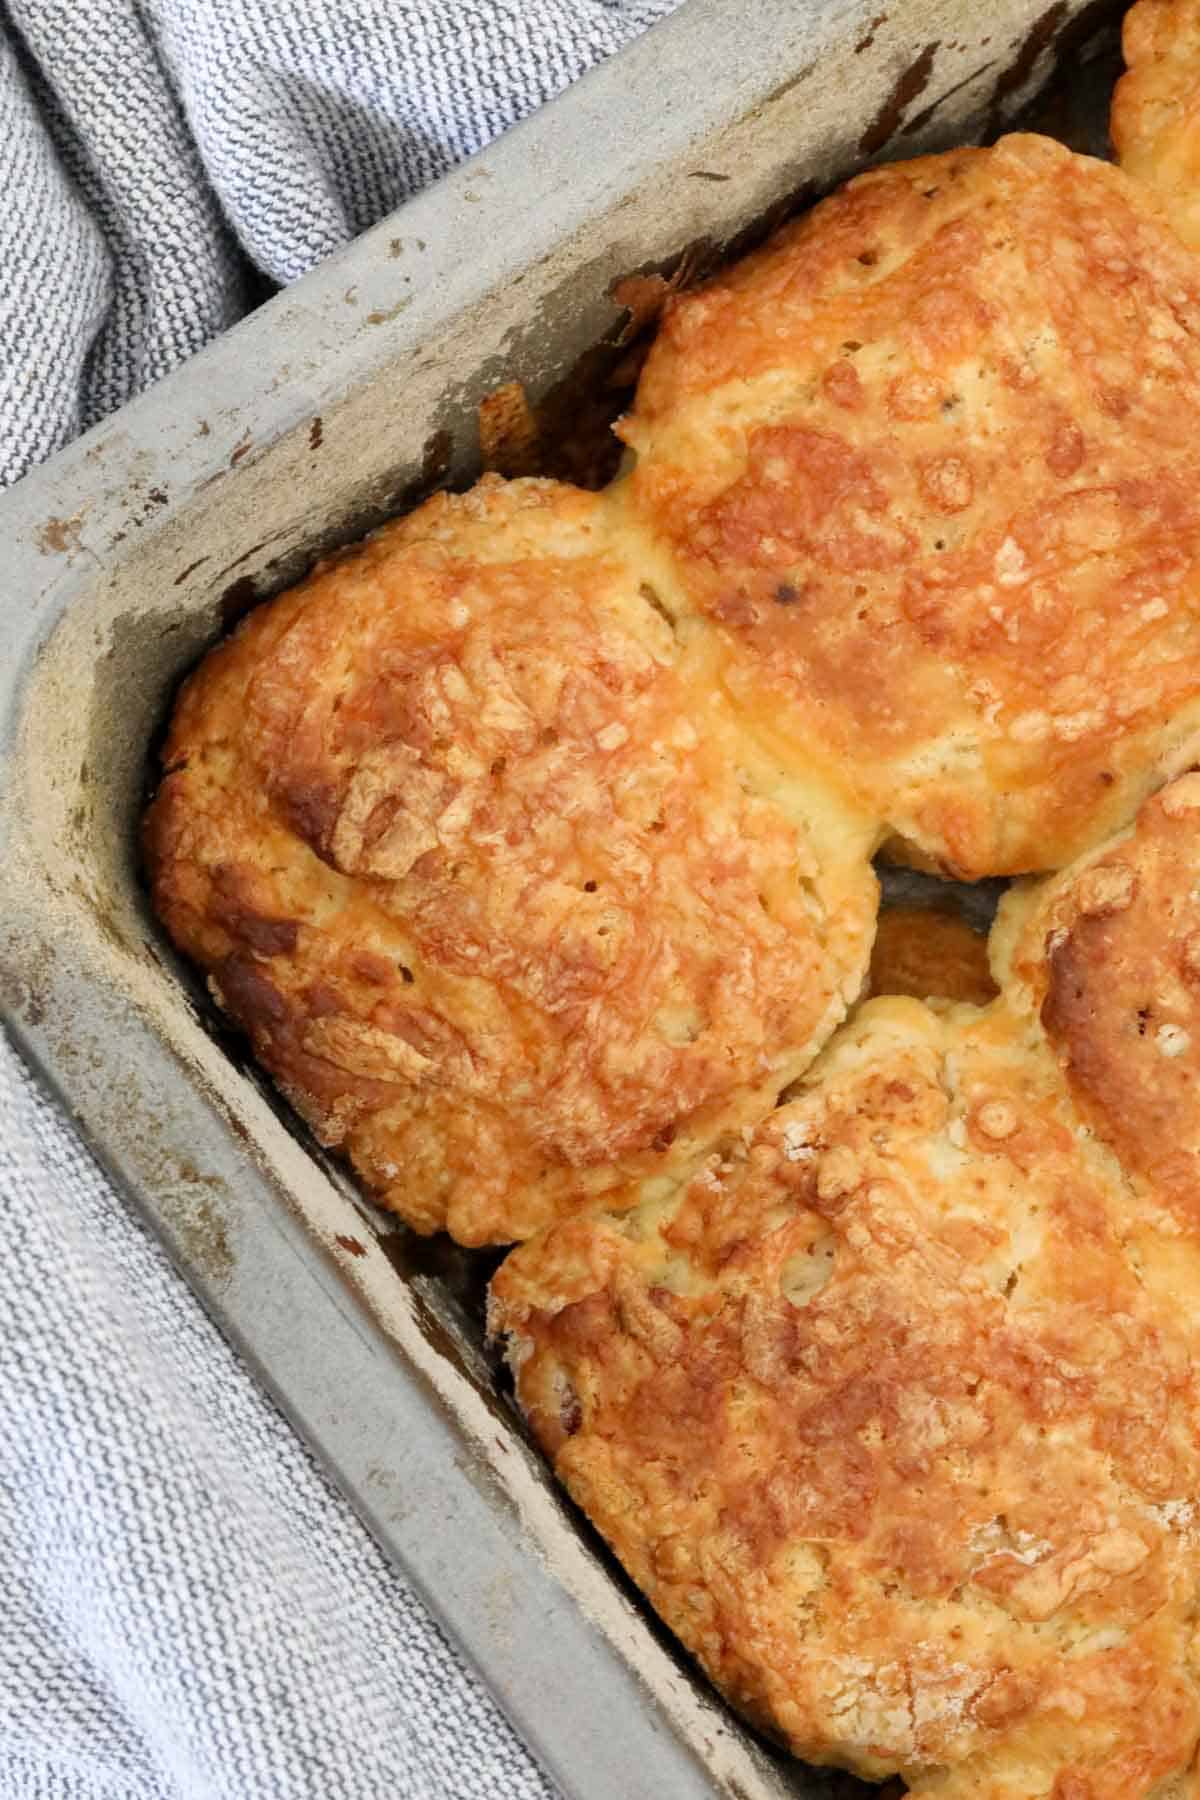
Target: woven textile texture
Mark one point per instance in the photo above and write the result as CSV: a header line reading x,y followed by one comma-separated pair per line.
x,y
187,1608
160,158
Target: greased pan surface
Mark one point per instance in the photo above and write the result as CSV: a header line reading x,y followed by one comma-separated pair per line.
x,y
321,414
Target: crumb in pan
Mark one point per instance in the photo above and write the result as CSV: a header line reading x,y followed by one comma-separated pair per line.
x,y
930,954
509,436
927,463
891,1409
506,903
1155,120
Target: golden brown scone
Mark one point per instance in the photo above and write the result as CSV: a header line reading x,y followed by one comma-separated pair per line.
x,y
1108,957
928,461
1155,122
888,1423
930,955
506,904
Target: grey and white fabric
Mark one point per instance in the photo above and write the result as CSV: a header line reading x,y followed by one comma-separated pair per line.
x,y
187,1607
163,161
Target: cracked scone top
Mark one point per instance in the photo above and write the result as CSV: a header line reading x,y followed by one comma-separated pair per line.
x,y
892,1412
928,463
507,905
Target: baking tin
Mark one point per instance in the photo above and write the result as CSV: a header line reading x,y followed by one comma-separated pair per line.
x,y
327,410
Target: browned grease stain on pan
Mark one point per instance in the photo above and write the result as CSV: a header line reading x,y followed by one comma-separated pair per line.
x,y
60,537
909,85
190,570
1039,37
919,121
203,1236
25,981
381,317
865,43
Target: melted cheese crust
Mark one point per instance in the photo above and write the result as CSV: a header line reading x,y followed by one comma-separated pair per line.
x,y
927,462
505,901
890,1409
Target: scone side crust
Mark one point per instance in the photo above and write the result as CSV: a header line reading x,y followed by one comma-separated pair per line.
x,y
1109,957
1155,117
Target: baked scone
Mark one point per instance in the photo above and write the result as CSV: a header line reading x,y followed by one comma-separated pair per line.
x,y
891,1408
929,954
928,464
506,902
1155,119
1107,958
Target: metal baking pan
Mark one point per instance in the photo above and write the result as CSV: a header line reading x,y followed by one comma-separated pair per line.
x,y
328,409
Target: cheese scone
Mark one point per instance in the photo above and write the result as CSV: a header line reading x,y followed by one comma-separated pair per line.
x,y
891,1406
1155,119
507,904
881,1415
928,464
